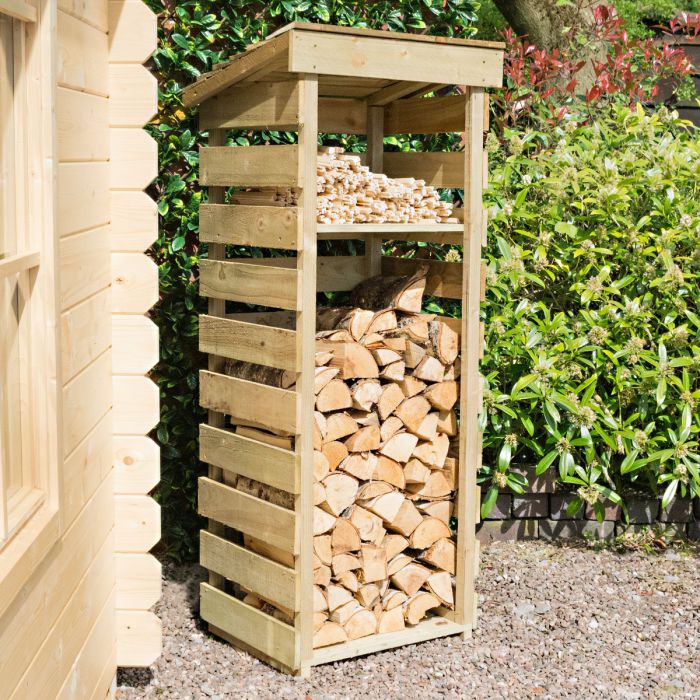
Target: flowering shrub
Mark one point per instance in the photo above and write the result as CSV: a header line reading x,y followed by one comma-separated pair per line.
x,y
593,330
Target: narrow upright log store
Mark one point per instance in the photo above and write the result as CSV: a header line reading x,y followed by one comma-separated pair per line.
x,y
342,442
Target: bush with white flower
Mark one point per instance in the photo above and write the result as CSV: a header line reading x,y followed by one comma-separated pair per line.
x,y
593,328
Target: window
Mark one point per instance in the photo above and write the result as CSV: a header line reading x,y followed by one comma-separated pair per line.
x,y
27,348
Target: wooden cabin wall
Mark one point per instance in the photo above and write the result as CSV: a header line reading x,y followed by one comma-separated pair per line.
x,y
83,609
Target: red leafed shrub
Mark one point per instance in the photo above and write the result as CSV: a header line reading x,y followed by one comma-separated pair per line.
x,y
598,64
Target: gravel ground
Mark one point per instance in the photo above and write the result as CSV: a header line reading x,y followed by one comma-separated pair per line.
x,y
555,622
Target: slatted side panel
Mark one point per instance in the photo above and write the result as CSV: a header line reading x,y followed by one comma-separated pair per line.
x,y
252,542
136,458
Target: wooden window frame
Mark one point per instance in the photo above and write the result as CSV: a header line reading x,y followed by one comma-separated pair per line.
x,y
35,264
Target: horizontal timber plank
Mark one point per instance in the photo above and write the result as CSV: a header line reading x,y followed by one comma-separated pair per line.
x,y
139,637
394,59
241,455
437,169
335,273
258,404
248,514
267,227
342,115
138,581
249,283
251,626
136,523
136,460
264,577
444,278
430,628
249,166
249,342
262,105
430,115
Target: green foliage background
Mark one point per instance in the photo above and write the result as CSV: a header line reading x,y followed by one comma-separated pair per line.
x,y
193,36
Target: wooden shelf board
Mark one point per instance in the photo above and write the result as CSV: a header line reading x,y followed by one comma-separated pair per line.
x,y
431,628
337,231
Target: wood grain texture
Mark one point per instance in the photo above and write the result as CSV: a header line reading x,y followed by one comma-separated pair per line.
x,y
93,12
251,626
132,31
265,406
138,581
136,409
134,283
87,183
134,156
432,115
444,278
133,95
84,265
139,638
267,227
134,221
249,342
250,515
249,283
256,460
82,56
264,577
437,169
134,344
249,166
136,523
136,461
81,126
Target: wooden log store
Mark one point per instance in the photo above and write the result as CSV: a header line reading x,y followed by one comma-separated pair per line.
x,y
341,495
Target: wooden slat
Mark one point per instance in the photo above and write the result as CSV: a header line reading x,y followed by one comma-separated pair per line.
x,y
82,56
84,266
264,577
249,283
482,282
266,227
134,283
19,263
444,278
134,221
335,273
133,95
18,9
249,515
394,59
396,91
134,159
430,628
249,166
251,626
136,461
139,638
136,523
82,129
93,12
437,169
138,581
271,55
265,406
250,342
432,115
263,105
87,183
86,398
241,455
136,409
134,344
132,31
340,115
88,320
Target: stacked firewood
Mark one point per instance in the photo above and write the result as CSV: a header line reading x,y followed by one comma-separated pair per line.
x,y
349,193
384,462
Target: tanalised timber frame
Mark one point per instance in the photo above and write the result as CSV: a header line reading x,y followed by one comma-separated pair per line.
x,y
311,79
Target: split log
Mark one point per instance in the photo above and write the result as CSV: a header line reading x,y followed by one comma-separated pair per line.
x,y
366,393
428,532
391,397
335,396
280,378
352,359
345,537
418,605
334,452
411,578
391,621
390,471
443,395
361,624
364,440
442,555
329,633
400,447
403,293
440,585
341,490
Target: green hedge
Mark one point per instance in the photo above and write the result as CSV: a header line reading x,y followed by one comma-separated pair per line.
x,y
193,36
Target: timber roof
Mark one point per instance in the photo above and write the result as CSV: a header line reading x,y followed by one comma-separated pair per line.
x,y
356,62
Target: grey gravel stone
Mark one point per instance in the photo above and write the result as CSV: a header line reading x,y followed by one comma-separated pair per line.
x,y
646,643
559,502
679,510
531,506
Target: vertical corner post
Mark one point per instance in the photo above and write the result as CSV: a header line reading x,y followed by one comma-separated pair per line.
x,y
305,349
470,391
375,161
